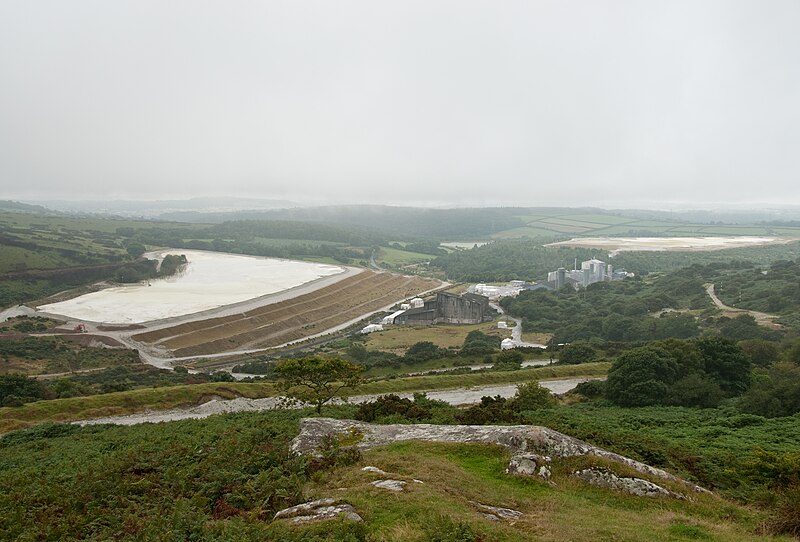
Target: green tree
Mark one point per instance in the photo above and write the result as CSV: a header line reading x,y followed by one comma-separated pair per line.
x,y
618,328
422,351
507,360
477,342
16,389
774,396
792,354
317,380
532,396
135,249
762,353
577,353
725,363
641,377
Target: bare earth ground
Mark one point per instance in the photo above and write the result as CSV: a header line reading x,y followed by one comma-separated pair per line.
x,y
288,320
309,310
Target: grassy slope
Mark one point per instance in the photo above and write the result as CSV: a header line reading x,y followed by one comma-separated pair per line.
x,y
394,257
224,477
454,475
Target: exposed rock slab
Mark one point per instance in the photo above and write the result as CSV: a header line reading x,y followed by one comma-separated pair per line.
x,y
320,510
519,439
528,464
372,469
634,486
391,485
495,513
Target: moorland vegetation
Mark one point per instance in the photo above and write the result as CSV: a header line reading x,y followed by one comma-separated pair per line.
x,y
711,398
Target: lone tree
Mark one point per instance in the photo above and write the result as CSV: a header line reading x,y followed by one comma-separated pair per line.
x,y
317,380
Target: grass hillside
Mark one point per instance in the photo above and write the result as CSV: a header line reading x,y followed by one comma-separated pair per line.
x,y
223,478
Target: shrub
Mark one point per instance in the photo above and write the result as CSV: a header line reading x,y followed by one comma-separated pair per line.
x,y
785,517
726,364
490,410
775,396
696,390
445,529
577,353
477,343
17,389
532,396
423,351
391,405
337,451
762,353
592,389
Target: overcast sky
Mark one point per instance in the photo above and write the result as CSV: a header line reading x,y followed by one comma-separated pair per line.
x,y
615,103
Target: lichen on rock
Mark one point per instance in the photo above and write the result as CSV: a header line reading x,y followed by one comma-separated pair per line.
x,y
634,486
319,510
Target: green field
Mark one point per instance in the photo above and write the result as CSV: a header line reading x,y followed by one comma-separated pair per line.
x,y
598,224
399,338
393,257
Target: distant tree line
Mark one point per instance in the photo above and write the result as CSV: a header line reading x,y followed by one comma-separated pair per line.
x,y
18,389
504,260
144,269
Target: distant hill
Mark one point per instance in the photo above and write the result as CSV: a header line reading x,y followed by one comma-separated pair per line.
x,y
157,208
8,205
543,223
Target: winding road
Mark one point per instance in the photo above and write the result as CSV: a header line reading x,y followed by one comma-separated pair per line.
x,y
516,331
762,318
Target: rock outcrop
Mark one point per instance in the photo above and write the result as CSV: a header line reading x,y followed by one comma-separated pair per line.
x,y
374,470
320,510
391,485
528,464
495,513
634,486
529,444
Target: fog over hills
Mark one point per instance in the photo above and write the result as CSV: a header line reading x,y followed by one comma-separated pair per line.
x,y
624,104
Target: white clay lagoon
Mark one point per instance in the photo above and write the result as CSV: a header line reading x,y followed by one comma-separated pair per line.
x,y
210,280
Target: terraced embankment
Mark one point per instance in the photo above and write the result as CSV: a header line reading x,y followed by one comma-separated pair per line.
x,y
291,319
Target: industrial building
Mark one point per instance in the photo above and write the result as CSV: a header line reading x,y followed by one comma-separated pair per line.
x,y
448,308
590,271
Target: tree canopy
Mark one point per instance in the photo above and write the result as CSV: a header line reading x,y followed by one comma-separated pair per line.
x,y
641,376
317,380
700,373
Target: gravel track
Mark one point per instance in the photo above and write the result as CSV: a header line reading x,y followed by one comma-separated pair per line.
x,y
458,396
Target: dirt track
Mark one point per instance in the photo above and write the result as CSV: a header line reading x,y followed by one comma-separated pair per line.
x,y
762,318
